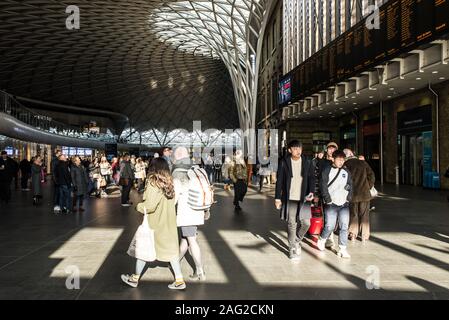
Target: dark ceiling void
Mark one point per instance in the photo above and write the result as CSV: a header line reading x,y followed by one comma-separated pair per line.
x,y
112,62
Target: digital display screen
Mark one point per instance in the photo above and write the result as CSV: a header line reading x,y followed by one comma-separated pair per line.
x,y
285,90
403,26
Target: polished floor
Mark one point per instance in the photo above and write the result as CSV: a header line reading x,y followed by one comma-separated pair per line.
x,y
245,254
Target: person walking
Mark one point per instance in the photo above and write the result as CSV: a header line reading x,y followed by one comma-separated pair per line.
x,y
126,179
36,179
53,167
294,188
187,219
336,189
363,179
238,175
80,182
225,173
140,174
159,204
166,155
6,175
64,181
25,173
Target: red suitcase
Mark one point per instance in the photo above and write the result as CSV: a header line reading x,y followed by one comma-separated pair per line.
x,y
316,222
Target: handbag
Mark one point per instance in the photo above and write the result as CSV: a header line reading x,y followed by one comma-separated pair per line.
x,y
142,245
123,181
373,192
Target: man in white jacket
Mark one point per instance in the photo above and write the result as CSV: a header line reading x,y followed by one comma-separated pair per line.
x,y
187,218
336,190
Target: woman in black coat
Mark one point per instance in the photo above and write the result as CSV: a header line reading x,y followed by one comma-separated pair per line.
x,y
36,180
80,182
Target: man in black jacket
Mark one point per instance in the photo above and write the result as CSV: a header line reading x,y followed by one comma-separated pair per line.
x,y
25,171
7,168
53,166
294,190
63,179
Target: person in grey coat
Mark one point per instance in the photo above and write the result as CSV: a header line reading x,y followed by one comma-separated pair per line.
x,y
36,180
126,179
80,181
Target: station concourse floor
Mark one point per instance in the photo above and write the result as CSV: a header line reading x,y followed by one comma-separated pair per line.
x,y
245,255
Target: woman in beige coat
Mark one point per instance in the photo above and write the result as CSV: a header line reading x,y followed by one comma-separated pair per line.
x,y
159,202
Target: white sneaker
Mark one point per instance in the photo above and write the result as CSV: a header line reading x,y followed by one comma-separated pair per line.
x,y
129,280
330,241
343,253
177,285
56,209
321,244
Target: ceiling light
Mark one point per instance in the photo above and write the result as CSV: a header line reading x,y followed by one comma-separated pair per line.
x,y
330,112
343,112
341,108
354,103
434,72
353,97
356,108
418,78
391,89
441,78
412,88
371,103
388,97
371,97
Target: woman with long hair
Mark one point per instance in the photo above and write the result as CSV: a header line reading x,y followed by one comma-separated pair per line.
x,y
36,179
159,204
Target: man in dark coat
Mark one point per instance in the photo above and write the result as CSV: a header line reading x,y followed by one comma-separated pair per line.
x,y
363,179
7,168
294,190
53,166
25,171
64,181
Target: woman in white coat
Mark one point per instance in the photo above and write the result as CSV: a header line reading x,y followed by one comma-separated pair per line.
x,y
187,219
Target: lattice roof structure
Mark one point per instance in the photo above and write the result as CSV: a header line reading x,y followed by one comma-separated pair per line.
x,y
163,64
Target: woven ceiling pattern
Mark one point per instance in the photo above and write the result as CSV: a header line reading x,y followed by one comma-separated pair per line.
x,y
119,60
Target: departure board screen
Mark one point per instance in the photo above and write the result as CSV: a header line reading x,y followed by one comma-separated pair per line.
x,y
403,26
424,17
441,16
393,32
408,33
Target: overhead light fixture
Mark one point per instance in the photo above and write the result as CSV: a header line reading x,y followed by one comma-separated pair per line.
x,y
330,112
371,102
353,97
412,88
356,108
391,89
341,108
442,78
418,78
371,97
343,112
388,97
354,103
435,72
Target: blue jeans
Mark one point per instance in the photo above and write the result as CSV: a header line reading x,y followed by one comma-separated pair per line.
x,y
331,213
65,197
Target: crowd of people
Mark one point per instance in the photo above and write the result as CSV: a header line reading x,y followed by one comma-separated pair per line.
x,y
338,182
335,180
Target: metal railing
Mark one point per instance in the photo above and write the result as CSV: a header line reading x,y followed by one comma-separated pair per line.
x,y
12,107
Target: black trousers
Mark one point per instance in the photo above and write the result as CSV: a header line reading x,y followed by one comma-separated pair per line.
x,y
24,181
5,191
240,189
125,192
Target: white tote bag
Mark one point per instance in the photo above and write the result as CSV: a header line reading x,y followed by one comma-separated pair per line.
x,y
373,192
142,245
